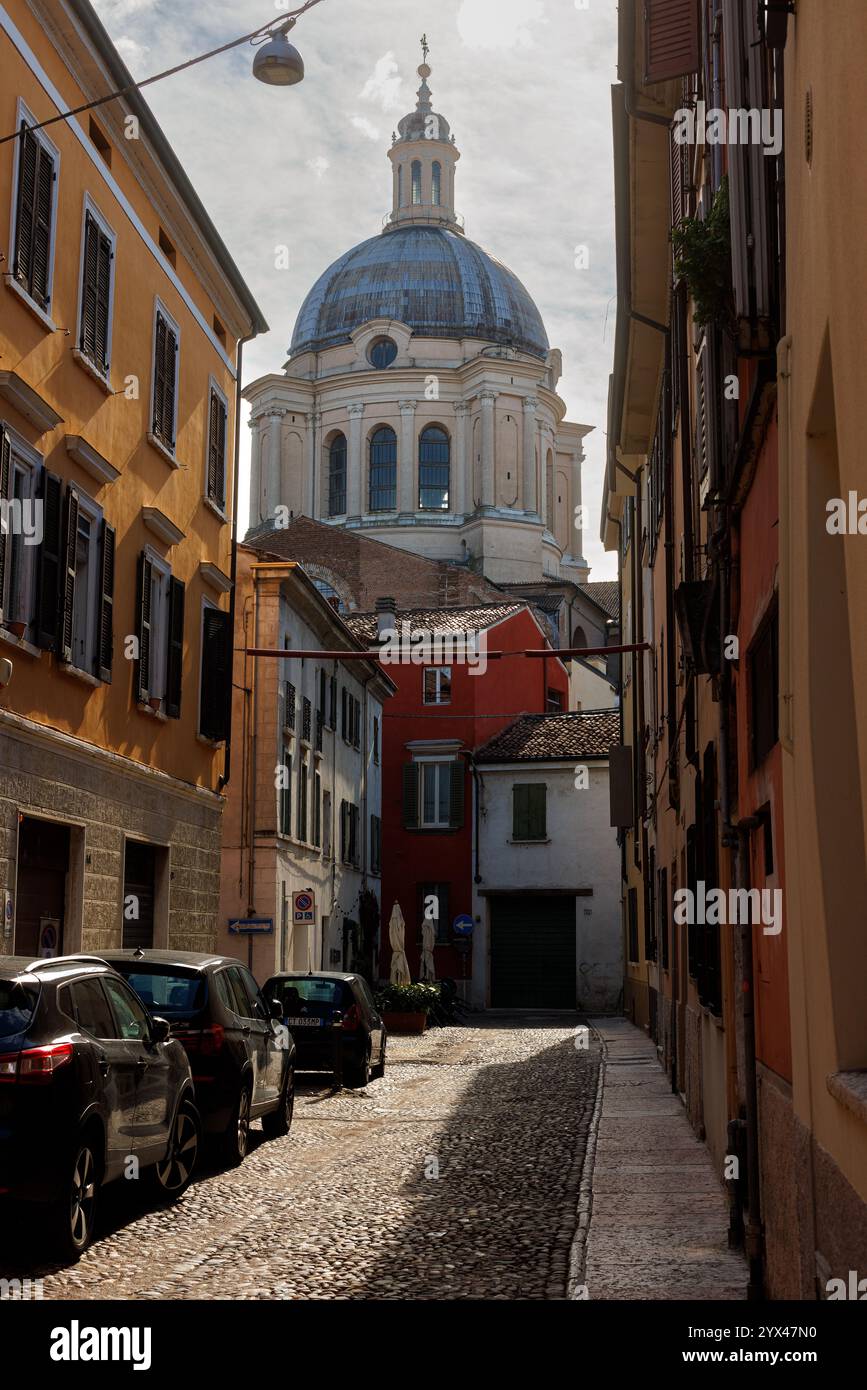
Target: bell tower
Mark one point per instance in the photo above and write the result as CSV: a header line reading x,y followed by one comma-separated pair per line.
x,y
423,157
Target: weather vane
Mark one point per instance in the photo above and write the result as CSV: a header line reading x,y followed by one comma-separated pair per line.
x,y
424,46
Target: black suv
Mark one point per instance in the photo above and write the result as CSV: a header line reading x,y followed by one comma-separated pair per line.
x,y
243,1060
89,1081
335,1023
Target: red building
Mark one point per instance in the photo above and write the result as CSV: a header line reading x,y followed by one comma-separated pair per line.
x,y
438,717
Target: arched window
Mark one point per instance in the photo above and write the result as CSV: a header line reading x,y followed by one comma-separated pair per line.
x,y
437,181
337,476
382,353
416,181
328,591
383,470
433,470
400,185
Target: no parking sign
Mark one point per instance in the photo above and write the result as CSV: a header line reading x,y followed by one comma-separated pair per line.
x,y
304,907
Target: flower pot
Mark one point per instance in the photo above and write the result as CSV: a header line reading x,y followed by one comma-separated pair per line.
x,y
155,703
405,1022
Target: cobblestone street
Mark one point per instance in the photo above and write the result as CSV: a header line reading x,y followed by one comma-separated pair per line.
x,y
348,1205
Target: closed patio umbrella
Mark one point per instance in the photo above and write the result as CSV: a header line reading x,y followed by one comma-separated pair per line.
x,y
428,938
396,934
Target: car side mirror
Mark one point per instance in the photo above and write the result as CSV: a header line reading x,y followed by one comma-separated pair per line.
x,y
161,1030
276,1010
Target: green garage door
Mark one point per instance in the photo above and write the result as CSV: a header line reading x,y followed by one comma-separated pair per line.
x,y
532,952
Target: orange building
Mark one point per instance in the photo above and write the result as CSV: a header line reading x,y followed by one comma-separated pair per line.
x,y
122,318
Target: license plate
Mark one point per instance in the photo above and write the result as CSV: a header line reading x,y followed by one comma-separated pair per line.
x,y
304,1022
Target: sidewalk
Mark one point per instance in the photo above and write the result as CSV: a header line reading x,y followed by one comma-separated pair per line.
x,y
658,1217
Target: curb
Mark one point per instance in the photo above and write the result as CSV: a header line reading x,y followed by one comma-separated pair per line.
x,y
584,1211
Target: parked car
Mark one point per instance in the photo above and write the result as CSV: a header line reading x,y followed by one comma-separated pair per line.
x,y
88,1079
243,1061
334,1021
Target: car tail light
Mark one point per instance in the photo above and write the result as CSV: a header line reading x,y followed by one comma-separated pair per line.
x,y
205,1041
351,1019
36,1064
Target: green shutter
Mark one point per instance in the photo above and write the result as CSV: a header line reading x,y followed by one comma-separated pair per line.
x,y
456,795
410,796
537,812
520,812
529,811
175,654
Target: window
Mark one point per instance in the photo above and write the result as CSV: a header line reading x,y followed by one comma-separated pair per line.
x,y
326,824
165,379
433,470
285,820
375,844
400,185
375,740
433,794
19,487
306,719
288,705
97,291
132,1021
167,248
91,1009
554,700
383,470
85,588
349,819
332,702
160,635
529,811
215,684
382,353
437,181
99,141
337,476
764,689
218,414
350,723
35,212
437,685
317,809
435,897
416,181
219,331
303,779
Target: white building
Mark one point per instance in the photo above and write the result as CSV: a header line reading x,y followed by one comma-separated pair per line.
x,y
419,403
548,931
304,809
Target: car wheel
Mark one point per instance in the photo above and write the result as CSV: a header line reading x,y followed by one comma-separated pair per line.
x,y
279,1121
173,1176
75,1211
237,1135
378,1072
358,1077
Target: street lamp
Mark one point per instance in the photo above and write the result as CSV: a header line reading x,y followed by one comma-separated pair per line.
x,y
278,62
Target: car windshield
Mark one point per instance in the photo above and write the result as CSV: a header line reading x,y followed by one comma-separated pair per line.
x,y
304,989
17,1007
169,993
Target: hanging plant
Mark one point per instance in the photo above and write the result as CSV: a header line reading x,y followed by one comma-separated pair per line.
x,y
703,259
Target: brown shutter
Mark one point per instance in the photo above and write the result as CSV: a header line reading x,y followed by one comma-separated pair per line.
x,y
676,164
410,795
456,796
32,258
143,608
42,228
175,654
5,481
217,451
67,580
620,786
49,587
105,612
672,44
165,369
215,707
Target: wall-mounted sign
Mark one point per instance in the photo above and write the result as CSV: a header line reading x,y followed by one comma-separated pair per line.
x,y
304,908
251,926
463,925
49,937
8,913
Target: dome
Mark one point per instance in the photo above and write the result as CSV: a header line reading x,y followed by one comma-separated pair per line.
x,y
432,279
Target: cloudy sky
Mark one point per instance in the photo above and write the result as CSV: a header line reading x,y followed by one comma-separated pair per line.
x,y
525,85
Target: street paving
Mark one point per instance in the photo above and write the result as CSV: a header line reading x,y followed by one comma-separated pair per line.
x,y
454,1176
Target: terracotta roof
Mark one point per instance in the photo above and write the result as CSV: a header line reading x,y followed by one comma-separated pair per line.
x,y
606,593
547,737
364,625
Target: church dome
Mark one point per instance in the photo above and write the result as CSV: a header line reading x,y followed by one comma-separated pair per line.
x,y
429,277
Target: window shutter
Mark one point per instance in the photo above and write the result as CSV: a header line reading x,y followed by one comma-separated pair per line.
x,y
105,256
49,590
42,228
5,480
701,450
536,812
677,168
87,335
165,368
175,655
343,724
410,795
70,536
343,836
33,217
216,706
332,702
105,614
456,796
520,813
217,451
671,34
143,607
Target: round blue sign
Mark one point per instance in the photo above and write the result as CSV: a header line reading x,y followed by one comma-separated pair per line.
x,y
463,925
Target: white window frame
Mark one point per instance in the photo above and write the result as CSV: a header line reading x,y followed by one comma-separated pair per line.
x,y
105,226
159,626
94,514
422,763
213,385
160,308
31,462
439,672
23,113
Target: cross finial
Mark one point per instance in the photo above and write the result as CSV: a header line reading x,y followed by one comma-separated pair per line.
x,y
425,48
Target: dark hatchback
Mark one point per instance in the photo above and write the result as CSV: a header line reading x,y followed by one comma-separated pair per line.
x,y
88,1081
335,1023
243,1061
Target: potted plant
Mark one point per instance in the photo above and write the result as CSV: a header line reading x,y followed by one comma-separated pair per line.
x,y
405,1008
703,258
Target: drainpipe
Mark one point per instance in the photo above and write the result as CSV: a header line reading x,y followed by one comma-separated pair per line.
x,y
254,734
236,469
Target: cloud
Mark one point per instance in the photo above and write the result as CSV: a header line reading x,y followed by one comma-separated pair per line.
x,y
499,23
366,127
132,52
114,11
384,86
319,166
